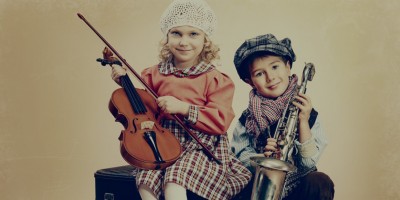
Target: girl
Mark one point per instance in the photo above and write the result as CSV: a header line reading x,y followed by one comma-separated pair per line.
x,y
190,86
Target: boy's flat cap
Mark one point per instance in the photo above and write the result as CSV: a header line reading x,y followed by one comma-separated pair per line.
x,y
263,43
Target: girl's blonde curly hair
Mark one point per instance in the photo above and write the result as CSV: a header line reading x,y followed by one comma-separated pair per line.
x,y
210,53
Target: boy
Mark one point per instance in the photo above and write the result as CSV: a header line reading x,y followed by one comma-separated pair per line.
x,y
264,63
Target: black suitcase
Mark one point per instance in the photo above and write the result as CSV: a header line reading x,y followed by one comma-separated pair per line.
x,y
116,183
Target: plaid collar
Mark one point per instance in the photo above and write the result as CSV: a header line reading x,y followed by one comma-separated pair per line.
x,y
169,68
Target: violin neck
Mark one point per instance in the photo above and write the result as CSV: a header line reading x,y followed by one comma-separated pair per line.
x,y
133,96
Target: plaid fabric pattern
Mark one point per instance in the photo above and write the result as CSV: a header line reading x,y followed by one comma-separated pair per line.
x,y
263,43
193,113
195,171
169,68
293,178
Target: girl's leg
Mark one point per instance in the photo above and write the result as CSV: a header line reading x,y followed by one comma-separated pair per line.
x,y
174,191
146,193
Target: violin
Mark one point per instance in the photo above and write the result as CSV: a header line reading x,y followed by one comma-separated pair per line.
x,y
143,143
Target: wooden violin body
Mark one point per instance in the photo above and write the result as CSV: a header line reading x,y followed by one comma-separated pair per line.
x,y
143,143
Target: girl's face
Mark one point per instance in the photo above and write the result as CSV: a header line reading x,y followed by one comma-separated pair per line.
x,y
185,43
270,76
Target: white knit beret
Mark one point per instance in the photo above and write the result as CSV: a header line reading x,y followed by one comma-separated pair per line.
x,y
196,13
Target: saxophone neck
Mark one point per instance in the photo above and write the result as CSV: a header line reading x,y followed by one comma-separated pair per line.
x,y
308,74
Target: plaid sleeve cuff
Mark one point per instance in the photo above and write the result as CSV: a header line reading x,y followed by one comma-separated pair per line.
x,y
308,148
193,114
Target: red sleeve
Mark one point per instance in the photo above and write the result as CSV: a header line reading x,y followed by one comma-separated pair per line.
x,y
217,114
146,76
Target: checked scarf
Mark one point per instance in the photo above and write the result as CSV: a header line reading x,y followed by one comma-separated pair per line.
x,y
263,112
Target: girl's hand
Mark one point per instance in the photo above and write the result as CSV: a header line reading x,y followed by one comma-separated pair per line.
x,y
117,72
303,102
172,105
271,147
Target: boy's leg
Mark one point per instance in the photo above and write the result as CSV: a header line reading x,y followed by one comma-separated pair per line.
x,y
314,186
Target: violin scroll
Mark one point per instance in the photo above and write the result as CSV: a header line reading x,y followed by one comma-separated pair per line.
x,y
108,58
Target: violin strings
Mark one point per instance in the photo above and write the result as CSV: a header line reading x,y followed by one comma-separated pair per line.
x,y
133,96
128,93
136,97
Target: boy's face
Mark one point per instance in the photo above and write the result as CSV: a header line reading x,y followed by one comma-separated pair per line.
x,y
185,43
269,76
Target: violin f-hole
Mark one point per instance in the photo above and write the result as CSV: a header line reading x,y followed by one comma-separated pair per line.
x,y
134,125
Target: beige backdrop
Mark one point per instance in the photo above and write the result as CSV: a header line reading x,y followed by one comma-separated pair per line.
x,y
56,130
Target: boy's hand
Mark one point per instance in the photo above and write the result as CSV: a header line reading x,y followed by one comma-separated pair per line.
x,y
303,102
172,105
271,147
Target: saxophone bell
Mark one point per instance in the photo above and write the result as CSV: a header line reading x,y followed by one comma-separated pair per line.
x,y
269,179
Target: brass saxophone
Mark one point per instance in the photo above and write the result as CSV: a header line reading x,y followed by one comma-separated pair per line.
x,y
271,172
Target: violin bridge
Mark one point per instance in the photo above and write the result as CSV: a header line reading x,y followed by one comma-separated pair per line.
x,y
147,125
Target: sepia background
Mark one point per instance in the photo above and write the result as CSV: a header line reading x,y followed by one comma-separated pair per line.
x,y
56,130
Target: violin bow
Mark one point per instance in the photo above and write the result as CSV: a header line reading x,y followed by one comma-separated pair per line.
x,y
152,93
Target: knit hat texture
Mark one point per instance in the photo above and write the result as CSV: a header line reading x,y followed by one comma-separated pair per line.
x,y
195,13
